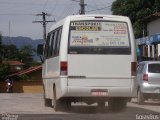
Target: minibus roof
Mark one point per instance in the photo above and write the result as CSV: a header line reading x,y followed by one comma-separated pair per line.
x,y
89,17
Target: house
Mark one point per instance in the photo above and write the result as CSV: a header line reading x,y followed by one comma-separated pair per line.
x,y
16,66
25,80
32,83
31,74
150,44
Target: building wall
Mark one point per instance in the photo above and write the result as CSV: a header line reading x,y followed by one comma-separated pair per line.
x,y
24,87
153,27
37,75
158,50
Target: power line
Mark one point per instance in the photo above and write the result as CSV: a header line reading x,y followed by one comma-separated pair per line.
x,y
17,14
43,22
95,4
21,3
54,7
65,11
45,4
99,9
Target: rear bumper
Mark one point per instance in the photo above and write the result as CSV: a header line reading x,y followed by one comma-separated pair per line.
x,y
147,88
151,95
85,87
76,91
115,87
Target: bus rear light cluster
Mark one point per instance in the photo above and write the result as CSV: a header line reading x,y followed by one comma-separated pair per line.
x,y
63,68
133,68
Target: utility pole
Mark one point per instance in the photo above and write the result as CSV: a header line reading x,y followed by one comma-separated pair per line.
x,y
43,22
0,47
82,6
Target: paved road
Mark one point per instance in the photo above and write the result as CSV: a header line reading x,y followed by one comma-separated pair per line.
x,y
30,107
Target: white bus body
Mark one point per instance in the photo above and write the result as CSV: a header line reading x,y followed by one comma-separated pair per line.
x,y
90,58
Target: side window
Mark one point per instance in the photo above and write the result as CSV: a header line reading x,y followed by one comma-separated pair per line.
x,y
53,43
46,53
59,40
56,43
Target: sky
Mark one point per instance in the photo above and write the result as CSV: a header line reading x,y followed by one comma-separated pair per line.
x,y
16,16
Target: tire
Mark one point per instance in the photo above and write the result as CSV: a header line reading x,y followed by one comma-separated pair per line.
x,y
140,98
57,105
101,104
117,104
61,104
47,102
66,104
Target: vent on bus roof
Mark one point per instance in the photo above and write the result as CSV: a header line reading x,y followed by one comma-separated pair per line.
x,y
98,17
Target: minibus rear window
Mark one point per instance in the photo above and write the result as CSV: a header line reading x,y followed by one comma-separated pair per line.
x,y
99,37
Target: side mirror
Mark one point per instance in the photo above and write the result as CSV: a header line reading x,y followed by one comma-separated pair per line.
x,y
40,52
40,49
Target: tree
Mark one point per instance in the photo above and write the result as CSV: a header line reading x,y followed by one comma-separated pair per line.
x,y
26,54
136,10
0,48
10,52
4,68
4,71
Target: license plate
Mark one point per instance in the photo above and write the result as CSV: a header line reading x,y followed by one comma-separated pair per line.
x,y
99,92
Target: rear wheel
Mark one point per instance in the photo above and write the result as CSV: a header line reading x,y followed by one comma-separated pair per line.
x,y
61,104
101,104
140,98
117,104
66,104
47,102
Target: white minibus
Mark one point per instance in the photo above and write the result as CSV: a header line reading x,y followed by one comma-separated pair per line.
x,y
91,59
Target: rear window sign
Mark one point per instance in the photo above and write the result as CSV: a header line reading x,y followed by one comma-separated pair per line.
x,y
81,40
99,34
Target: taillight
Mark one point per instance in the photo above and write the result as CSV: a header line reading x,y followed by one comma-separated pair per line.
x,y
145,77
133,68
63,68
